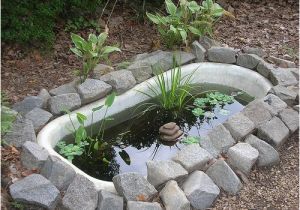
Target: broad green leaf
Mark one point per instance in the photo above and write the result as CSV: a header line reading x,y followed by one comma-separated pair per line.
x,y
109,49
171,7
93,38
183,34
78,40
97,108
80,134
76,51
153,18
195,30
96,145
110,99
193,6
172,28
101,38
81,118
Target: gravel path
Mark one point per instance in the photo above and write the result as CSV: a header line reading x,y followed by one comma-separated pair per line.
x,y
270,188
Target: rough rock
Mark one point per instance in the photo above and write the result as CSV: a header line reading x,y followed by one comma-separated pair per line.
x,y
173,197
282,63
207,42
121,80
132,185
224,177
257,112
282,77
33,156
200,190
21,131
100,70
221,138
274,132
159,172
253,50
92,89
249,61
239,126
265,68
221,55
274,104
45,96
285,94
296,108
109,201
81,193
207,144
290,118
39,117
139,205
58,104
268,156
58,172
295,72
64,89
199,51
242,156
28,104
193,157
35,189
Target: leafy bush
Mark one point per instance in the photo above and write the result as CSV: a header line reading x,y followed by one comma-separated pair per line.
x,y
32,22
186,21
91,51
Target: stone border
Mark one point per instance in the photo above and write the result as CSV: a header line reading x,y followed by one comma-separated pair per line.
x,y
247,138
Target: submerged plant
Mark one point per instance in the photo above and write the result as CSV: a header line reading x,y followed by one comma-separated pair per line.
x,y
83,143
191,140
90,51
170,94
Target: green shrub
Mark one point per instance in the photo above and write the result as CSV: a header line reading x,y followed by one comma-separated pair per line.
x,y
32,22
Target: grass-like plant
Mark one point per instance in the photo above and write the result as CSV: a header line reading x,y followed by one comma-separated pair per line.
x,y
170,94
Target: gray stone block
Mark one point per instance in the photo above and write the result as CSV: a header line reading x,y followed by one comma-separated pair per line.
x,y
239,126
199,51
101,70
58,104
268,156
242,156
33,156
224,177
249,61
274,132
173,197
132,185
285,94
36,190
81,193
221,55
159,172
207,42
21,131
28,104
58,172
64,89
121,80
139,205
221,139
274,104
92,89
207,144
282,77
45,96
193,157
257,112
109,201
200,190
39,118
290,118
282,63
254,50
265,68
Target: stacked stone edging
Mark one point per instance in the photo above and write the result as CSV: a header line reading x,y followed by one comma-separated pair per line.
x,y
251,137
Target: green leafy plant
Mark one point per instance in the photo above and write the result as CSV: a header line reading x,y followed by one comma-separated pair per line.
x,y
8,116
83,143
91,51
191,140
171,94
81,23
186,21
